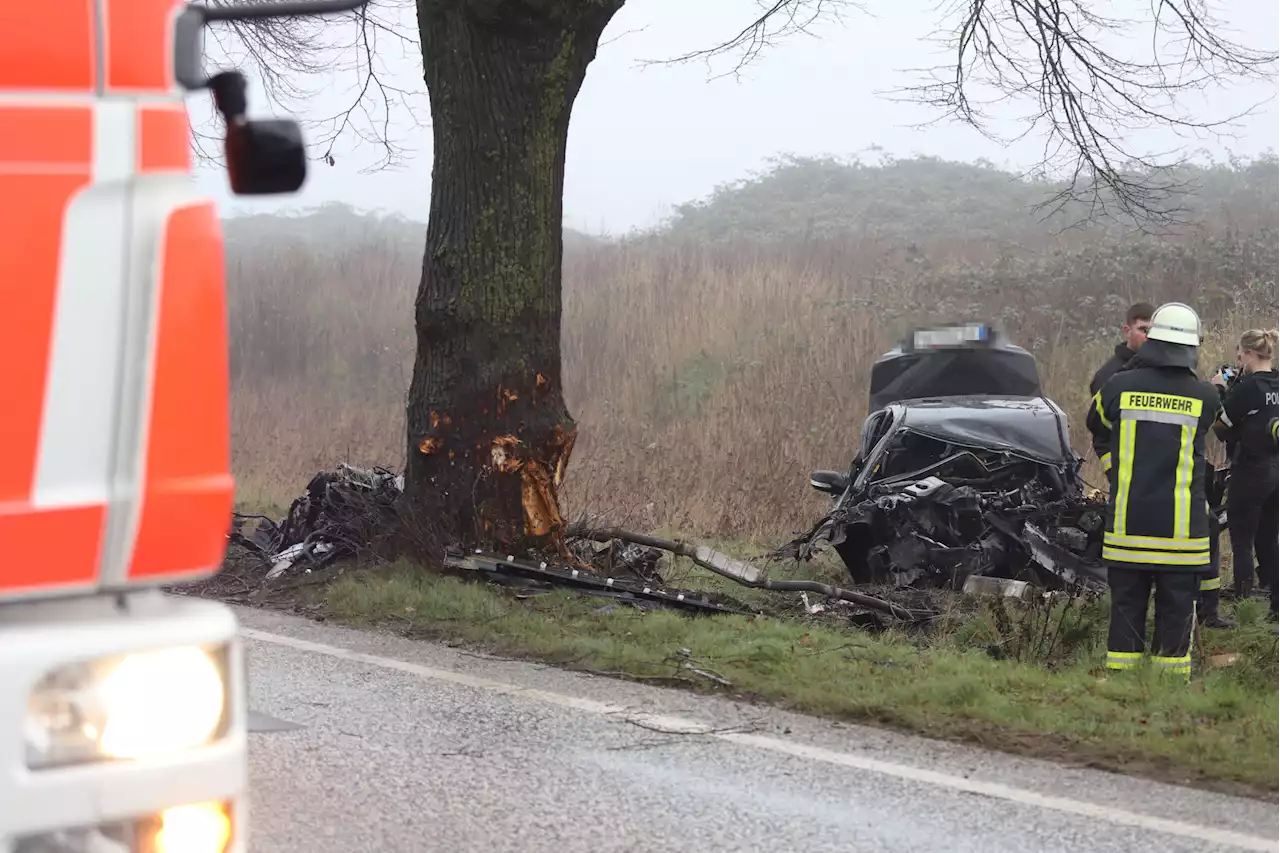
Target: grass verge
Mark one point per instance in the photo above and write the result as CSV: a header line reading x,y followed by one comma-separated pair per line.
x,y
1218,732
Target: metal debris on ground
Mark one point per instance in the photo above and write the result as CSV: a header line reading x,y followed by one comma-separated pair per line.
x,y
686,662
751,576
999,587
620,559
332,521
812,609
628,589
341,510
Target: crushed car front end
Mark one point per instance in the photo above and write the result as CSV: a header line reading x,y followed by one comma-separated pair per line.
x,y
945,488
964,486
964,469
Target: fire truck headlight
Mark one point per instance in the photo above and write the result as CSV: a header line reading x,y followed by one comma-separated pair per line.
x,y
202,828
134,706
192,828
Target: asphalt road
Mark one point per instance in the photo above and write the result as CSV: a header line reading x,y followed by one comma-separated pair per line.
x,y
369,742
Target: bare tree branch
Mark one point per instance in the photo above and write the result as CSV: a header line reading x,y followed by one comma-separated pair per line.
x,y
1090,93
1072,63
286,53
1080,65
778,20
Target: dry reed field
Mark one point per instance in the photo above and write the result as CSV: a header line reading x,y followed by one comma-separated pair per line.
x,y
708,374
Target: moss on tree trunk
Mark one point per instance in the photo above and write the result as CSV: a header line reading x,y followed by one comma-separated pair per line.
x,y
489,434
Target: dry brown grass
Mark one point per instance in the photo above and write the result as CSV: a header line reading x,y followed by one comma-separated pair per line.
x,y
707,381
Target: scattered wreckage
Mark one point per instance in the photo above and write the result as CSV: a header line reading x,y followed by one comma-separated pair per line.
x,y
964,470
333,519
964,479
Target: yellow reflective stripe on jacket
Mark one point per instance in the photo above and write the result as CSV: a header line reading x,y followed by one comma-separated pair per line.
x,y
1156,550
1156,543
1097,407
1182,484
1174,410
1124,477
1155,558
1105,459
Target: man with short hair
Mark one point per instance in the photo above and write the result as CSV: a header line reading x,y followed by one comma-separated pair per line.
x,y
1137,321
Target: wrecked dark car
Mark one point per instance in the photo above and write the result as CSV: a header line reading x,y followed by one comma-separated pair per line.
x,y
963,468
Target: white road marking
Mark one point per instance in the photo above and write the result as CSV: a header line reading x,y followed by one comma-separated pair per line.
x,y
813,753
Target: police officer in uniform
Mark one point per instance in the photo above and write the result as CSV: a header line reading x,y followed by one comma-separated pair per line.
x,y
1246,423
1152,418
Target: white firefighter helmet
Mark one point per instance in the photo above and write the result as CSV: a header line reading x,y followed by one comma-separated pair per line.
x,y
1176,323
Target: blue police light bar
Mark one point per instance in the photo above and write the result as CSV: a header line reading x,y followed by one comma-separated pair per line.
x,y
952,336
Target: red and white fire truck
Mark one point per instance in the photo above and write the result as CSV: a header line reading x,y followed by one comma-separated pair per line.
x,y
122,709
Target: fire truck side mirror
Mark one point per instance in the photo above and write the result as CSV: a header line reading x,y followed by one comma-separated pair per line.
x,y
265,156
188,28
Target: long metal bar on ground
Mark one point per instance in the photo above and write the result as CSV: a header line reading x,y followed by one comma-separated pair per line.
x,y
564,576
745,573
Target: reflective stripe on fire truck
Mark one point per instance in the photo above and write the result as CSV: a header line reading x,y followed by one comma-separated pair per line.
x,y
114,339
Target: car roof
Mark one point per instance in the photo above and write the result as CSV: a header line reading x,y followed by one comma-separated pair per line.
x,y
939,407
1033,427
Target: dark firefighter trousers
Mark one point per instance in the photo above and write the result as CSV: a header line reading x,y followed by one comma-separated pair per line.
x,y
1176,593
1252,523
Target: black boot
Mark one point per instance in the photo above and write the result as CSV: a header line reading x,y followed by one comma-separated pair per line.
x,y
1209,611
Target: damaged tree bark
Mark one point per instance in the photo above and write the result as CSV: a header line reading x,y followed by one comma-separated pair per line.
x,y
489,434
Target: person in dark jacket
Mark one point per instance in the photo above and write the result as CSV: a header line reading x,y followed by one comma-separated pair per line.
x,y
1249,413
1133,332
1153,417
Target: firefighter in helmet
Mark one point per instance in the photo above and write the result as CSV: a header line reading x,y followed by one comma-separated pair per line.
x,y
1153,417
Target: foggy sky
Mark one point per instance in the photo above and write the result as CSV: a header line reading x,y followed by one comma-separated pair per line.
x,y
645,138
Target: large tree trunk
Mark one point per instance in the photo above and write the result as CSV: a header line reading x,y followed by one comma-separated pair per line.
x,y
489,434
